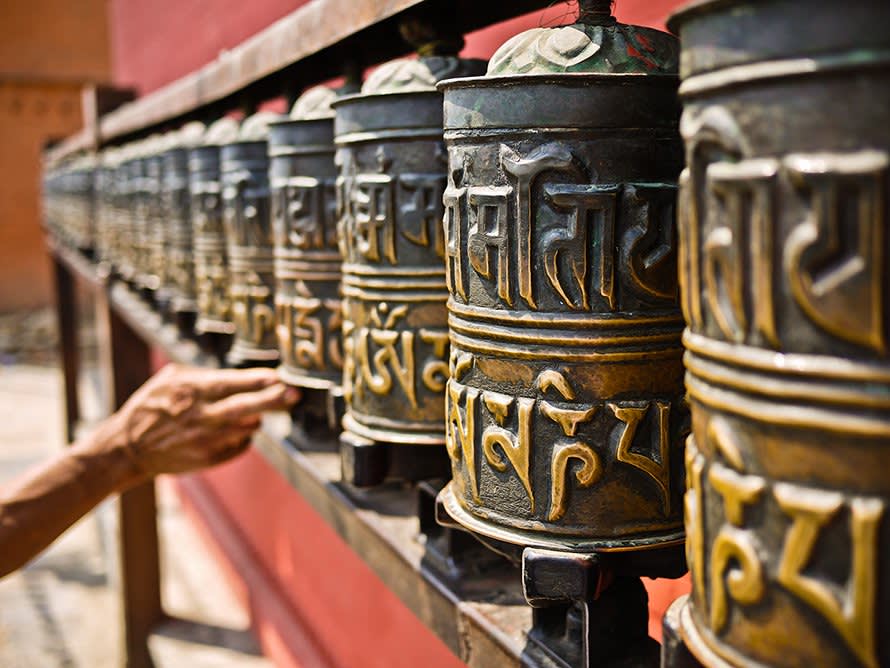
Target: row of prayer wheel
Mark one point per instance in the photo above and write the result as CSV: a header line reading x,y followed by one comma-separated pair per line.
x,y
492,265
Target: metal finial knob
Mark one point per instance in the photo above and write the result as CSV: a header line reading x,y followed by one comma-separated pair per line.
x,y
595,11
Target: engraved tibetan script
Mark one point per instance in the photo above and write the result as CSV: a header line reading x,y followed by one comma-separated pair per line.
x,y
381,209
548,219
742,571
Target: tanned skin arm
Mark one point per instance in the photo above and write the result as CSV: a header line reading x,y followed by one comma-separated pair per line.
x,y
181,420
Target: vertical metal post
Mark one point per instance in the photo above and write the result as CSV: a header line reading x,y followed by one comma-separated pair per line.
x,y
127,365
66,314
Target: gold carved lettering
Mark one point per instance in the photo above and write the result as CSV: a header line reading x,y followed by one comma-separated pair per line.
x,y
854,614
526,170
656,466
649,250
251,314
374,220
517,448
568,420
744,582
386,360
835,259
302,208
423,210
591,206
740,249
435,371
489,232
693,520
586,475
455,201
335,322
460,435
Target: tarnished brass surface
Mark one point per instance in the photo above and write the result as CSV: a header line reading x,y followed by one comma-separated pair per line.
x,y
248,227
125,219
392,177
307,261
104,205
176,210
565,410
210,255
784,273
149,241
68,202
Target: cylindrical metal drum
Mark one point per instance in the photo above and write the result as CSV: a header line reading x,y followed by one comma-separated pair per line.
x,y
248,228
128,180
784,272
176,211
105,184
152,224
565,407
392,176
211,263
53,198
79,191
307,261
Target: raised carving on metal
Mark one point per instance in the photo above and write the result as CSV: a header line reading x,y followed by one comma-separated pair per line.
x,y
176,208
307,260
248,229
783,267
210,254
565,407
392,178
150,243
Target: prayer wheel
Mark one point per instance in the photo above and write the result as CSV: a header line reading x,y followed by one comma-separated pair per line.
x,y
104,202
128,176
248,228
307,260
210,256
565,409
784,225
150,233
176,210
392,177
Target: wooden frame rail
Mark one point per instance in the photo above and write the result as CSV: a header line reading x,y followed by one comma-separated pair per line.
x,y
321,40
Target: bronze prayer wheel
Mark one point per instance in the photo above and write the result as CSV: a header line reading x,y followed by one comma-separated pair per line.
x,y
307,260
176,210
784,273
152,224
128,176
210,256
565,408
77,188
104,202
392,177
248,227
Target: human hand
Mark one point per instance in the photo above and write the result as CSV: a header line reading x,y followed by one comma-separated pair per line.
x,y
184,418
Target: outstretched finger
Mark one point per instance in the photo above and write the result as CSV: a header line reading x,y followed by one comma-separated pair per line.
x,y
239,406
221,383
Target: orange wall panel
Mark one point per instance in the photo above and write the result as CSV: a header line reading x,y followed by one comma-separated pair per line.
x,y
29,115
55,40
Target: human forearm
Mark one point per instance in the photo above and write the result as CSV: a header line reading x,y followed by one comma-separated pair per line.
x,y
181,420
41,505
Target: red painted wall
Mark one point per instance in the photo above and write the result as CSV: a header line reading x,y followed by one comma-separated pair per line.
x,y
155,42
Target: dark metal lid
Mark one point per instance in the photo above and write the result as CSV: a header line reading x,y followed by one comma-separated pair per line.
x,y
805,36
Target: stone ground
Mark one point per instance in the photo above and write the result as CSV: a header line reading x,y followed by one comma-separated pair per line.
x,y
61,611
